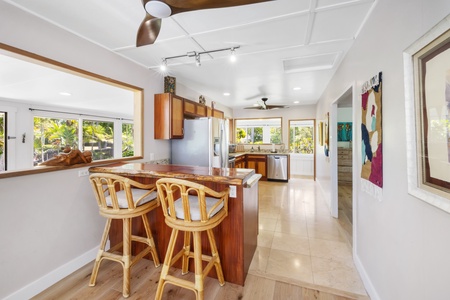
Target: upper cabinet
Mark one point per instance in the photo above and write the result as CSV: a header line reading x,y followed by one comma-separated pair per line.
x,y
169,115
170,111
194,109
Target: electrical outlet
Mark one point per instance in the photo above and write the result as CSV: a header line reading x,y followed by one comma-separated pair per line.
x,y
152,156
232,191
82,173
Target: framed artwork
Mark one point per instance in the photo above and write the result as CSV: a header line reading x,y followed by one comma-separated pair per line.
x,y
326,135
427,95
371,131
344,131
170,84
320,133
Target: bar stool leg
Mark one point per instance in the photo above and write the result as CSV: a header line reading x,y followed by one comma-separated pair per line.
x,y
150,240
100,253
126,259
166,265
187,250
198,264
215,257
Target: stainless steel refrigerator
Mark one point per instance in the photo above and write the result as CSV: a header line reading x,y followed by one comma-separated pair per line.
x,y
205,143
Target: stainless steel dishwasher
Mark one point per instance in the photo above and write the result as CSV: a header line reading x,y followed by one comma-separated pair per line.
x,y
277,167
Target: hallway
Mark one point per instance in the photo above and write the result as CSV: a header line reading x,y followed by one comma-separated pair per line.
x,y
300,242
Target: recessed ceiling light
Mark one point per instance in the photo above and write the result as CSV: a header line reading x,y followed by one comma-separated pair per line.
x,y
297,88
65,94
226,94
296,102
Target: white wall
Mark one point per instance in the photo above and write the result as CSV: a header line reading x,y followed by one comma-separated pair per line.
x,y
49,223
402,244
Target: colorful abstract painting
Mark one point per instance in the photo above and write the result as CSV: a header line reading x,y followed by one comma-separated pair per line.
x,y
344,131
371,131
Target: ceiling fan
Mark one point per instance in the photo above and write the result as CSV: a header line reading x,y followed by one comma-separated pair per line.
x,y
264,106
156,10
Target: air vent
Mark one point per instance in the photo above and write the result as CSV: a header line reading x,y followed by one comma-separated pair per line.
x,y
310,63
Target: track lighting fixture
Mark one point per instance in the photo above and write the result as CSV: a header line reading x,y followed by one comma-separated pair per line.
x,y
233,55
163,66
196,55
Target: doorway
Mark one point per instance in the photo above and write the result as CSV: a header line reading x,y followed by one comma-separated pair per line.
x,y
342,160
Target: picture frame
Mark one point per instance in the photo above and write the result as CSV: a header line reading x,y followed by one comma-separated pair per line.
x,y
427,104
320,133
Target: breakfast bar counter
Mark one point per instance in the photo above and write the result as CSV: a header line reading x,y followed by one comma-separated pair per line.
x,y
236,236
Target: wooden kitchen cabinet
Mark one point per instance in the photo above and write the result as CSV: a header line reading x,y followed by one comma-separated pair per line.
x,y
215,113
240,162
194,109
168,116
258,162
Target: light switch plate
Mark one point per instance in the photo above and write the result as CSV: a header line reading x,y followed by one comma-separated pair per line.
x,y
82,173
232,191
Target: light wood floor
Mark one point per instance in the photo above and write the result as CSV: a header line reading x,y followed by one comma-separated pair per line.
x,y
345,213
145,278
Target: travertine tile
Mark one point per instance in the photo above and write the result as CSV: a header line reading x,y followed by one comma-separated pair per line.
x,y
330,249
297,228
260,259
267,224
308,244
293,265
265,238
291,242
335,273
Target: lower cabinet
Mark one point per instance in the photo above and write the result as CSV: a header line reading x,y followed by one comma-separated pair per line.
x,y
258,162
240,162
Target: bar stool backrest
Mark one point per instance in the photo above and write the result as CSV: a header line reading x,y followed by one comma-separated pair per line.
x,y
190,201
114,192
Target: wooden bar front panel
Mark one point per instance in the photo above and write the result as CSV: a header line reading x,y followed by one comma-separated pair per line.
x,y
236,236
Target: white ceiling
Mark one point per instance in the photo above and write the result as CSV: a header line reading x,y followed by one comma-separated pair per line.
x,y
283,43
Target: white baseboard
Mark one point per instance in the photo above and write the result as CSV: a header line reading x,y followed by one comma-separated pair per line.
x,y
365,279
54,276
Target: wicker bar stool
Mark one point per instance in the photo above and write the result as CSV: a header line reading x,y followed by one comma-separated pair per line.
x,y
122,198
191,208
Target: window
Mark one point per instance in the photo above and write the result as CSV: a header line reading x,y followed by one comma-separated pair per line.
x,y
301,136
108,100
127,139
53,134
2,141
98,137
258,131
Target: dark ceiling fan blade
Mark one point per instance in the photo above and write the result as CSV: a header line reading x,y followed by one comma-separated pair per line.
x,y
179,6
148,31
150,27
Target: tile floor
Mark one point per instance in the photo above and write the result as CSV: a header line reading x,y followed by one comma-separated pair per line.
x,y
299,240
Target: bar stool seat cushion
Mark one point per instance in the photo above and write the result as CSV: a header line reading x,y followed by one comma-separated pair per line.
x,y
195,209
137,194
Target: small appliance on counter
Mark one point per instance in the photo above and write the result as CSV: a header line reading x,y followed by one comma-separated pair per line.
x,y
232,148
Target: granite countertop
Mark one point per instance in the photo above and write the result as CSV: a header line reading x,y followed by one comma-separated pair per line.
x,y
237,154
220,175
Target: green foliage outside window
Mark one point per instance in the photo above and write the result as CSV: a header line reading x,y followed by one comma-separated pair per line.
x,y
51,135
301,139
258,131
